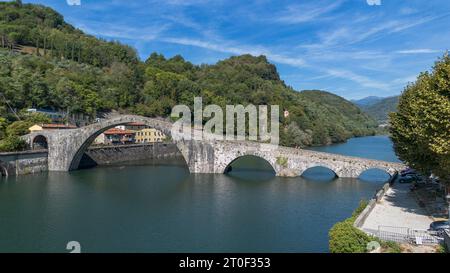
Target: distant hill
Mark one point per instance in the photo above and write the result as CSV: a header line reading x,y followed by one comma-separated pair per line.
x,y
367,101
381,109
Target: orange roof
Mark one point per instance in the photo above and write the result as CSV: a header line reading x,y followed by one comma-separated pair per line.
x,y
136,124
58,126
116,131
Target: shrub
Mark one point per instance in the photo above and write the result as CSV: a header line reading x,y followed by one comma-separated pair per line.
x,y
345,238
12,143
390,247
362,205
282,161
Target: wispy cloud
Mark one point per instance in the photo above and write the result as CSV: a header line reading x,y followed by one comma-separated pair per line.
x,y
226,47
362,80
302,13
118,31
418,51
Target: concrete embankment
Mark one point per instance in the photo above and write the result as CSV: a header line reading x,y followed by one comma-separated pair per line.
x,y
21,163
29,162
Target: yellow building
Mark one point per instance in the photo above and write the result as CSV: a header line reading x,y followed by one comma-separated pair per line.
x,y
149,136
40,127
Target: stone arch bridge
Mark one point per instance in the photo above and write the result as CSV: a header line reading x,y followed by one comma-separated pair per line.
x,y
66,148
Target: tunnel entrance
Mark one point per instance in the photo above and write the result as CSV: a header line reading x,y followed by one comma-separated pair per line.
x,y
40,143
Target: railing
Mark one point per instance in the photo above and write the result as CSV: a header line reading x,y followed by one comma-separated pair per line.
x,y
406,235
447,240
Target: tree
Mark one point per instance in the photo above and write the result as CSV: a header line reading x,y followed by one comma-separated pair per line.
x,y
12,143
420,129
3,125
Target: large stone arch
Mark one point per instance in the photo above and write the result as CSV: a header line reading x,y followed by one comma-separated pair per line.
x,y
66,147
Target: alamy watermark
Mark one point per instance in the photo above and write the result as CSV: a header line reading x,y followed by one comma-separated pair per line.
x,y
229,126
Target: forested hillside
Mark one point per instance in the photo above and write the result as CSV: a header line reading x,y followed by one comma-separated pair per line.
x,y
80,73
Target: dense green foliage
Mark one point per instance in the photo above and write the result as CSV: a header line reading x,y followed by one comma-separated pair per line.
x,y
421,127
10,134
381,109
345,238
79,73
45,29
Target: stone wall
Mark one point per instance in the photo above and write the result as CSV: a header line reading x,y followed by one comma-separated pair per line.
x,y
106,155
21,163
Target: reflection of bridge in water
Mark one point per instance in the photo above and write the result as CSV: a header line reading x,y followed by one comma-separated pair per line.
x,y
66,148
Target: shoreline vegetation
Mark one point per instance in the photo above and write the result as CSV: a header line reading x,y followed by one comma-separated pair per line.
x,y
47,63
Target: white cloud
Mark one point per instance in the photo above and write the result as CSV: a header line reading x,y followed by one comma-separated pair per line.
x,y
305,13
362,80
418,51
226,47
117,31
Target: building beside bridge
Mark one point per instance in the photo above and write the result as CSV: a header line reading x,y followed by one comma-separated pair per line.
x,y
123,135
41,127
149,135
115,136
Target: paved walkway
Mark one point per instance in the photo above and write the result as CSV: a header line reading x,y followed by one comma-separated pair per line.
x,y
398,208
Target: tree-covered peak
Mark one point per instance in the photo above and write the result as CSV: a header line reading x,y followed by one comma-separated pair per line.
x,y
255,65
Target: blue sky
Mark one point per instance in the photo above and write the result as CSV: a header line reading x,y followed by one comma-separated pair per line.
x,y
347,47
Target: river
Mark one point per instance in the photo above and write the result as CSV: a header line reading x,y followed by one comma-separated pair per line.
x,y
159,207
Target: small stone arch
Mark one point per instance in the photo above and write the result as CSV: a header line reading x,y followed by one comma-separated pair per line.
x,y
227,167
319,165
39,142
369,170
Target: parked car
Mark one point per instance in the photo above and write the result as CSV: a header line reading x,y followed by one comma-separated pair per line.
x,y
408,171
440,226
410,178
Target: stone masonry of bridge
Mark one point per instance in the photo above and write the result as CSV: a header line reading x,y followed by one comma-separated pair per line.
x,y
66,147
